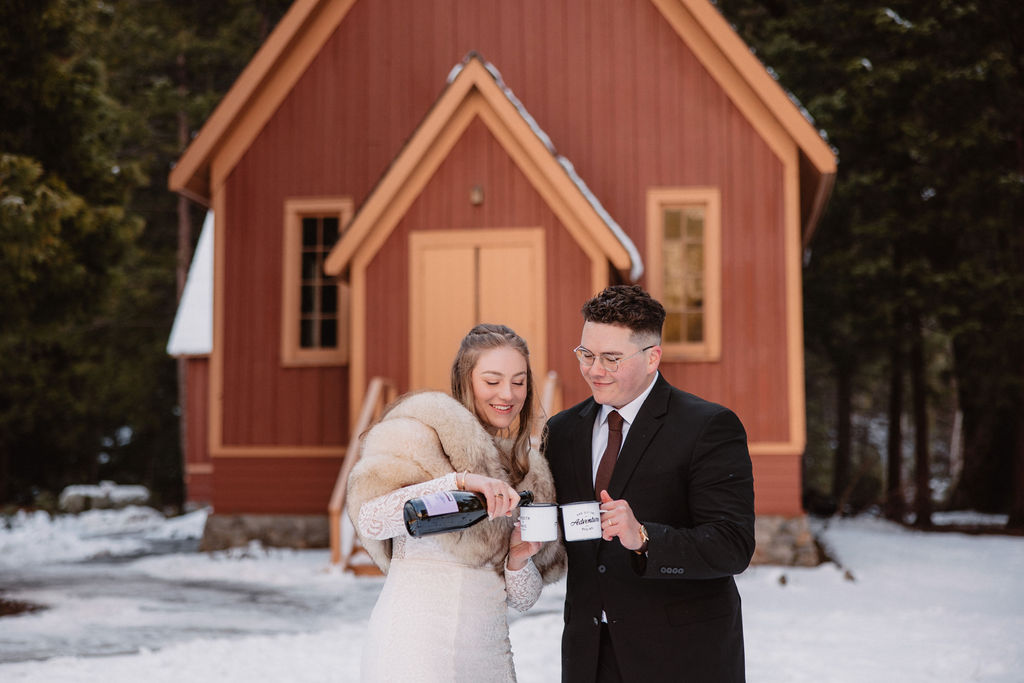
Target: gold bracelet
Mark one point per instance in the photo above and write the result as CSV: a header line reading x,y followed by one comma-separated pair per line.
x,y
461,484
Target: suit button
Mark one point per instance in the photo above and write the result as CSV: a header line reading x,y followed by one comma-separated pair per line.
x,y
663,570
601,568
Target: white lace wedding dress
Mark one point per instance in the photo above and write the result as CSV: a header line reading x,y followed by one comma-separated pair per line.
x,y
436,619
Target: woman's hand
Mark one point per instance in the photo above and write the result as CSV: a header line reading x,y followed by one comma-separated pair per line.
x,y
519,551
502,499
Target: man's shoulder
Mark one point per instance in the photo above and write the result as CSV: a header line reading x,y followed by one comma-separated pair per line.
x,y
692,404
571,414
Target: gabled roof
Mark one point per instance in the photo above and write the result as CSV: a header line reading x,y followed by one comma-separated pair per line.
x,y
476,89
255,96
307,25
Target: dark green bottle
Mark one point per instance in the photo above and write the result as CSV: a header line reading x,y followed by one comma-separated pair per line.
x,y
438,513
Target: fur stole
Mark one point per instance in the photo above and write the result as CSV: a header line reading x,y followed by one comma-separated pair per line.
x,y
427,435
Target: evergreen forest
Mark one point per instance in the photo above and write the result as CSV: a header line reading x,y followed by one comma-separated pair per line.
x,y
913,282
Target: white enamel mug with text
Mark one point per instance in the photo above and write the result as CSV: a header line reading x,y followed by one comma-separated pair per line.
x,y
538,522
582,521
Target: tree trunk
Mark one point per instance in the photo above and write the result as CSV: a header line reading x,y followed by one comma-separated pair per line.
x,y
5,475
1016,520
895,505
844,403
922,461
184,259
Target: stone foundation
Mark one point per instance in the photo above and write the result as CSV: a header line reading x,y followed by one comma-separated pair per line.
x,y
785,541
281,531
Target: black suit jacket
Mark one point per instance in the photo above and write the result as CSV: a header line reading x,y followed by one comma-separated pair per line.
x,y
685,471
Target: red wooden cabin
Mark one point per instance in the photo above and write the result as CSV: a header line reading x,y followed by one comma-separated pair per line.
x,y
386,173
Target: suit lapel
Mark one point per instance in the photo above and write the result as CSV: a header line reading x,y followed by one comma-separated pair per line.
x,y
647,423
582,447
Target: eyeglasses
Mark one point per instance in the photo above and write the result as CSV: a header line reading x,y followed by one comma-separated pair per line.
x,y
586,358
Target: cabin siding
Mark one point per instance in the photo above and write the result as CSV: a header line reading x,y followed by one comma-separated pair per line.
x,y
198,464
286,485
619,94
264,403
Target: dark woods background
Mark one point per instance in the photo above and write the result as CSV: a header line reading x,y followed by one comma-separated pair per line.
x,y
913,284
98,100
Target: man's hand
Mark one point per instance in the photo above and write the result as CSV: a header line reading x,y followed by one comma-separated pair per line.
x,y
618,521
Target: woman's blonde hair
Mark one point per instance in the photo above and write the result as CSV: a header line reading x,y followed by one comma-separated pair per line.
x,y
485,337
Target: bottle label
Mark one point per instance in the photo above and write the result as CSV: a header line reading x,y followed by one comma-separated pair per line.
x,y
440,503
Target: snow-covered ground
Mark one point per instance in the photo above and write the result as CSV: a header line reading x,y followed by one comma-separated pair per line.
x,y
128,600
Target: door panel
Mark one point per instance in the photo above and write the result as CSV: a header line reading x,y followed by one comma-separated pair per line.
x,y
461,278
444,309
506,280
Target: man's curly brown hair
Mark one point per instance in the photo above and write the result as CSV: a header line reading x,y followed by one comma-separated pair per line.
x,y
629,306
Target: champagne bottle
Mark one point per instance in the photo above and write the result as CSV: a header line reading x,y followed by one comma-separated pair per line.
x,y
449,511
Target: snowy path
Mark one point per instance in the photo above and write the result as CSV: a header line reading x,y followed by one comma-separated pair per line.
x,y
921,608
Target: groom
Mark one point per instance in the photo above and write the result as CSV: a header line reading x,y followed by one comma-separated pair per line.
x,y
655,599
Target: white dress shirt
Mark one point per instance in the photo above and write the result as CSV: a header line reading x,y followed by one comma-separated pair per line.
x,y
628,413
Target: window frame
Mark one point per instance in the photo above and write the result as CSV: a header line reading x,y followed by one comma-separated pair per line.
x,y
708,198
292,352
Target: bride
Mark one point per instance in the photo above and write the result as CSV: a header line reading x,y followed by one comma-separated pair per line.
x,y
441,615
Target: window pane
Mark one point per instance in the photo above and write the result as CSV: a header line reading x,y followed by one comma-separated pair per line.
x,y
695,292
695,224
695,327
309,232
694,259
673,328
328,333
329,299
308,299
310,266
306,334
672,299
673,224
330,231
673,256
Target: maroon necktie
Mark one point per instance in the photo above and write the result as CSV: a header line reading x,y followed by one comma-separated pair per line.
x,y
611,452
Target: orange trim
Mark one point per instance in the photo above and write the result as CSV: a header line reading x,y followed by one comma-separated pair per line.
x,y
784,129
755,93
255,96
794,306
292,354
216,381
765,448
215,415
709,198
474,93
279,452
308,24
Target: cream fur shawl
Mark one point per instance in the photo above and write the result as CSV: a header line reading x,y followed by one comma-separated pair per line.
x,y
428,435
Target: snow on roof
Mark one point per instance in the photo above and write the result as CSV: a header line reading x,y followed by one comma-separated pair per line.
x,y
636,270
192,332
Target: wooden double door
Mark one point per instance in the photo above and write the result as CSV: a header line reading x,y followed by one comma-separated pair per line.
x,y
459,278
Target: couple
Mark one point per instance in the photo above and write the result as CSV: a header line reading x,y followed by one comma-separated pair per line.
x,y
653,600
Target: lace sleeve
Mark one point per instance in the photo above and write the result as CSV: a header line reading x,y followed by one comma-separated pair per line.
x,y
381,518
522,588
